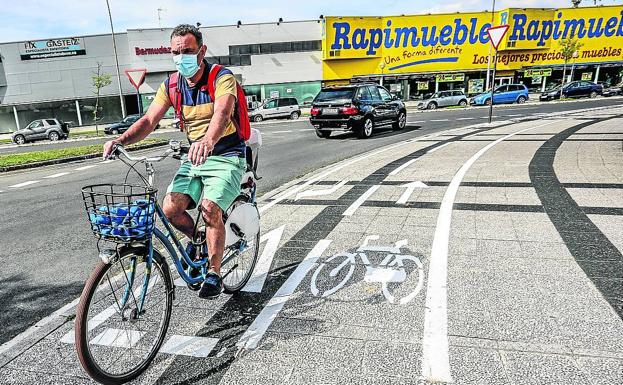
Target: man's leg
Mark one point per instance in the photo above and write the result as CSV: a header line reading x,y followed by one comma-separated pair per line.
x,y
174,208
215,233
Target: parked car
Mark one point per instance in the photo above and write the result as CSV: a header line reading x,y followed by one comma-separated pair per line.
x,y
276,108
123,125
575,89
506,93
613,90
40,129
361,108
443,99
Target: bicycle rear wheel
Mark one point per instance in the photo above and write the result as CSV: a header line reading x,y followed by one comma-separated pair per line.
x,y
115,341
238,264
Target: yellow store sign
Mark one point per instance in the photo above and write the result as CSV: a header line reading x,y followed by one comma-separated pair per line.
x,y
355,46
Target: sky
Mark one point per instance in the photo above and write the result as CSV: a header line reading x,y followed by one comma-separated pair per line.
x,y
31,19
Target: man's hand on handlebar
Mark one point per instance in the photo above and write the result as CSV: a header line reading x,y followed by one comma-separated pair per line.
x,y
199,152
109,147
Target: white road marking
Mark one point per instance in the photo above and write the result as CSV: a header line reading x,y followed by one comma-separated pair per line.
x,y
438,148
107,161
465,118
117,338
351,210
417,121
511,115
254,333
435,359
281,132
85,167
329,191
94,322
25,184
410,188
402,167
440,120
189,346
56,175
260,273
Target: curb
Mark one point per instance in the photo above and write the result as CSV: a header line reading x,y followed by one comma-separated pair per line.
x,y
72,158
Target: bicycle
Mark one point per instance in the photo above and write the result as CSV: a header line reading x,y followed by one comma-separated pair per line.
x,y
125,307
391,270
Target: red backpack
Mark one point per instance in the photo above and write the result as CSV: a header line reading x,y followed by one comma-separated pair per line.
x,y
241,112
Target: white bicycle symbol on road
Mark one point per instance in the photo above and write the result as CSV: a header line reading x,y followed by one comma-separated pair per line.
x,y
391,270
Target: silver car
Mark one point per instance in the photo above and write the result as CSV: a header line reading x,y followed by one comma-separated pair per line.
x,y
444,99
40,129
276,108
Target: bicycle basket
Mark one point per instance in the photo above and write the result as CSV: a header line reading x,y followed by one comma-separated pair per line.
x,y
120,213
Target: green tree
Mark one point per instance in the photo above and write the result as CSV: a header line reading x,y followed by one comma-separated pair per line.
x,y
568,48
99,80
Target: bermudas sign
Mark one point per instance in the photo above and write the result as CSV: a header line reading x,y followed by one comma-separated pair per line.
x,y
45,49
429,43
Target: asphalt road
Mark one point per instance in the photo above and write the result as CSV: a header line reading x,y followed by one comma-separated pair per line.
x,y
47,251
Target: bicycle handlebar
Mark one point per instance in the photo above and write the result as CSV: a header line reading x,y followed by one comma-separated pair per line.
x,y
175,148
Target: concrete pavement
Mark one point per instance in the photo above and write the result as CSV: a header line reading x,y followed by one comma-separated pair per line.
x,y
501,266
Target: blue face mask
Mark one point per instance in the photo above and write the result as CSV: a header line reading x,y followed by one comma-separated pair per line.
x,y
186,64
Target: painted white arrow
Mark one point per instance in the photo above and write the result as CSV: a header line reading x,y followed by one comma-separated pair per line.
x,y
272,239
311,193
410,188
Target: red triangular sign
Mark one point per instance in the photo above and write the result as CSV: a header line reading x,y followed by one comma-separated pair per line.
x,y
496,34
136,76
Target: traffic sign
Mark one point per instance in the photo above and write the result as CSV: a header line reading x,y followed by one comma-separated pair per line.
x,y
136,76
496,34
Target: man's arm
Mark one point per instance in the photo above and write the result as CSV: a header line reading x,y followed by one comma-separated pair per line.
x,y
223,111
140,129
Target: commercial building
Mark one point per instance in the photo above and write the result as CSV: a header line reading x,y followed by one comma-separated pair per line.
x,y
52,78
414,55
411,55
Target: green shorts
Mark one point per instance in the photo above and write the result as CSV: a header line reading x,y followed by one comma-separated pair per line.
x,y
219,178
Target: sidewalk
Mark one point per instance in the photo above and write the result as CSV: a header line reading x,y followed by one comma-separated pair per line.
x,y
481,255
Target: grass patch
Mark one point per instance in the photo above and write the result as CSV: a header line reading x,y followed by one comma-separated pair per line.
x,y
5,141
10,160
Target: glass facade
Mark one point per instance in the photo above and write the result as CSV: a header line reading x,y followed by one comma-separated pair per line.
x,y
7,119
62,110
109,110
304,92
281,47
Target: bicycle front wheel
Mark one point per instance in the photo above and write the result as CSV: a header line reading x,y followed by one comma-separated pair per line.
x,y
123,316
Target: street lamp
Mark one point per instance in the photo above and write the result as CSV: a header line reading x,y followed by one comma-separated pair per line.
x,y
489,61
114,46
382,67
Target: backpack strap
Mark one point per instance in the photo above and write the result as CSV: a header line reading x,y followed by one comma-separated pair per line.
x,y
175,97
214,70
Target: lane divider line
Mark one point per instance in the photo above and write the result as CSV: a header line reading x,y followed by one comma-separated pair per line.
x,y
260,273
437,148
24,184
351,210
403,166
254,333
85,167
56,175
435,355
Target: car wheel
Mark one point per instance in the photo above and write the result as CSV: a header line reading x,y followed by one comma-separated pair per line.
x,y
323,134
258,118
366,129
53,136
401,122
463,103
19,139
521,100
593,95
488,102
432,106
115,131
295,115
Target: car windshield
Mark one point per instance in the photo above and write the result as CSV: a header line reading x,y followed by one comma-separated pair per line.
x,y
336,94
435,95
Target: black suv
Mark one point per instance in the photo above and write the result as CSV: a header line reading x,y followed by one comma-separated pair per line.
x,y
357,107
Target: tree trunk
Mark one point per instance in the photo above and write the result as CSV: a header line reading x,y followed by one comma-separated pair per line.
x,y
564,75
97,104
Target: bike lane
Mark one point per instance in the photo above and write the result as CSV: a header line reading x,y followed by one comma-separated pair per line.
x,y
344,328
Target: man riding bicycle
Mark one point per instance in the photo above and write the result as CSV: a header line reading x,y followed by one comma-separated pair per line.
x,y
210,177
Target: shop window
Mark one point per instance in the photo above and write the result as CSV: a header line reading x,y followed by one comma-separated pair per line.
x,y
245,60
234,60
